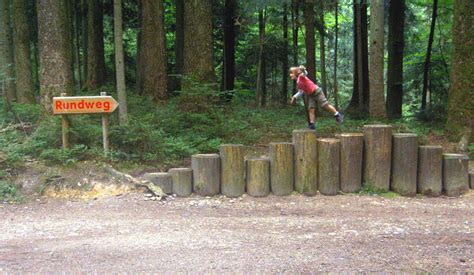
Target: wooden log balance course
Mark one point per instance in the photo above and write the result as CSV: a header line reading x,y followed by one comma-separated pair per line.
x,y
455,174
306,173
162,180
281,168
258,177
351,161
328,165
233,170
377,156
206,174
430,170
182,181
404,164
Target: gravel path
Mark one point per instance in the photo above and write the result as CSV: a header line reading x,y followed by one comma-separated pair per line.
x,y
273,234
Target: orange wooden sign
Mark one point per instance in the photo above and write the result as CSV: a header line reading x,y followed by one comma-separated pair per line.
x,y
83,104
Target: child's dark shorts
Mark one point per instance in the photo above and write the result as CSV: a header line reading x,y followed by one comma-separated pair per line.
x,y
317,96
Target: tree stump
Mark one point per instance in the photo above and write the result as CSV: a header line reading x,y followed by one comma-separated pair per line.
x,y
162,180
281,168
206,174
430,168
306,181
258,177
455,174
232,170
328,165
351,148
404,164
182,181
377,156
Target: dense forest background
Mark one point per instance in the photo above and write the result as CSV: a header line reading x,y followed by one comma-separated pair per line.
x,y
190,75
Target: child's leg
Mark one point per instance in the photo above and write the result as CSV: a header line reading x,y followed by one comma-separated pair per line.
x,y
312,115
328,107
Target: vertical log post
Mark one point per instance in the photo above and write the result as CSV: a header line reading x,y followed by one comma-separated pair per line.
x,y
455,174
105,129
232,166
306,181
404,164
471,180
352,145
328,165
377,156
281,168
65,128
162,180
258,177
430,168
182,181
206,174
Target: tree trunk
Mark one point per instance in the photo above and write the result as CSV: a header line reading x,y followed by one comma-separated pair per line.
x,y
77,44
229,47
198,49
84,39
336,31
295,28
95,46
153,51
6,53
284,80
119,66
377,102
25,88
308,14
262,72
460,123
322,50
139,67
54,51
426,68
396,44
179,40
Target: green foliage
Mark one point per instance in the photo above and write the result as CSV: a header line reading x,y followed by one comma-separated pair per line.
x,y
63,157
369,189
9,192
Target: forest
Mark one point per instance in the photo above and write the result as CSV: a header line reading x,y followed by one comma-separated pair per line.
x,y
191,75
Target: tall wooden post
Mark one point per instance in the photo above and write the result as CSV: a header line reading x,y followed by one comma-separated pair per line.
x,y
65,129
105,130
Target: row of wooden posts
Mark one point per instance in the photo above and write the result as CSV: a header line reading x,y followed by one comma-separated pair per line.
x,y
376,157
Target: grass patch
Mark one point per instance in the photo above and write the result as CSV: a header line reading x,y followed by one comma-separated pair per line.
x,y
9,192
368,189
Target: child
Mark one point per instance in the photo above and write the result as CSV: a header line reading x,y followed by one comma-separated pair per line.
x,y
314,94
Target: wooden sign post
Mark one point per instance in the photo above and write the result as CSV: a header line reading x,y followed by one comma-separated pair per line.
x,y
69,105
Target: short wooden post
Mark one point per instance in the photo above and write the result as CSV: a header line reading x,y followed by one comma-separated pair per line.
x,y
328,165
65,128
404,164
162,180
281,168
377,156
455,174
258,177
306,181
206,174
471,180
105,129
352,145
232,170
182,181
430,168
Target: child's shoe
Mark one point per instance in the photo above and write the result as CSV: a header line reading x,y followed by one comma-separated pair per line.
x,y
339,117
311,126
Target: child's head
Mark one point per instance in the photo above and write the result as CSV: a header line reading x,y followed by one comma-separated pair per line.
x,y
296,71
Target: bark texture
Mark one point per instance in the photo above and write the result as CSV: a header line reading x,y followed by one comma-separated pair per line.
x,y
430,167
377,156
6,53
182,181
232,170
258,177
455,174
404,164
206,174
306,173
351,161
119,64
54,51
328,166
96,73
308,14
162,180
281,168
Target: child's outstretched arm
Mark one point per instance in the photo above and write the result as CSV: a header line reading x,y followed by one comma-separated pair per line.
x,y
296,96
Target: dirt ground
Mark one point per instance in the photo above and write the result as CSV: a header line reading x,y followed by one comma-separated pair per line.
x,y
128,233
